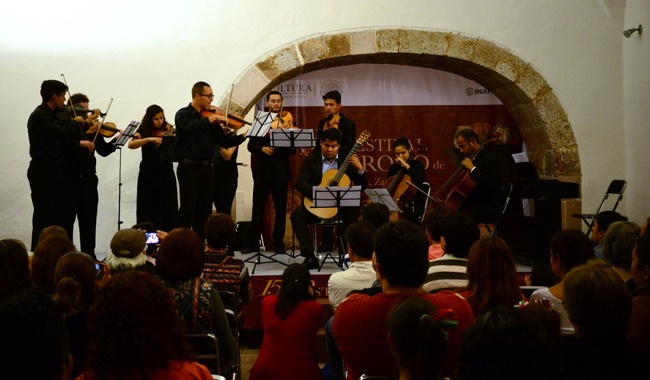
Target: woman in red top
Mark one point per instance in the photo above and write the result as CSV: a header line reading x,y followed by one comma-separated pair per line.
x,y
290,321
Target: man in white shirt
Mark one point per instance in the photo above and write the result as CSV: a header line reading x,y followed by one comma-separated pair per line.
x,y
361,274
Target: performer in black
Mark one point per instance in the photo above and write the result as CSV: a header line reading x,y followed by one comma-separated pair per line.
x,y
49,128
226,177
196,138
270,168
334,118
310,176
411,201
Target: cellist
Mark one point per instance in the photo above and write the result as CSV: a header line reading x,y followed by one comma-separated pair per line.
x,y
405,169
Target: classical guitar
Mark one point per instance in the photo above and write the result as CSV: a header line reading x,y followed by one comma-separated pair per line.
x,y
335,178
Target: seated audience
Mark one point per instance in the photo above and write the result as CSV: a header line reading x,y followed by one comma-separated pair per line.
x,y
128,251
638,335
569,248
291,321
417,339
598,304
135,333
226,272
432,222
458,233
618,244
34,341
359,325
14,268
599,228
492,276
47,253
180,264
375,213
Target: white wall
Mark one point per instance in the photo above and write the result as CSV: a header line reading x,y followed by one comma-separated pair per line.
x,y
141,52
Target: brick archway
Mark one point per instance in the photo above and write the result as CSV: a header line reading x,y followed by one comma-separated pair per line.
x,y
541,119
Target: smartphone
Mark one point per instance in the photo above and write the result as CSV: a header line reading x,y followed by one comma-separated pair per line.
x,y
99,270
152,238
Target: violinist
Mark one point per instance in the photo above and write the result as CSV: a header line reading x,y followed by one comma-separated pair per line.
x,y
196,138
405,169
490,167
334,118
47,134
157,199
81,177
270,168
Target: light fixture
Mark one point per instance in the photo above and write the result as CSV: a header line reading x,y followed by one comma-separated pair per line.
x,y
629,32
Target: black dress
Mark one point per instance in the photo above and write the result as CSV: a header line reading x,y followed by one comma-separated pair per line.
x,y
157,199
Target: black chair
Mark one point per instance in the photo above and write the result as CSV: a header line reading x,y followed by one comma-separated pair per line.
x,y
506,192
616,188
235,316
206,348
337,226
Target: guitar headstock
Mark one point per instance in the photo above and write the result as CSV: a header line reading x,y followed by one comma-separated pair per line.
x,y
363,137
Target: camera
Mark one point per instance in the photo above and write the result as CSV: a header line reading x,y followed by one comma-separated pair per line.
x,y
152,238
99,270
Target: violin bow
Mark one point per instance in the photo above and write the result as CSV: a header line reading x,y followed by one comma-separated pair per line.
x,y
74,112
103,118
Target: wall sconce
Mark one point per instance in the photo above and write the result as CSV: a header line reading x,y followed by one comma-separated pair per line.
x,y
629,32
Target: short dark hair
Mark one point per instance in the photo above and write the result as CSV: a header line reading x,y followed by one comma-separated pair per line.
x,y
605,218
460,232
78,98
433,219
375,213
402,253
467,134
274,92
198,88
180,255
332,134
573,247
219,230
359,235
334,95
402,141
52,87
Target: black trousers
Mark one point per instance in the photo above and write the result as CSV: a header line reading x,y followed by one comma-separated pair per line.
x,y
278,189
301,218
196,187
82,200
48,196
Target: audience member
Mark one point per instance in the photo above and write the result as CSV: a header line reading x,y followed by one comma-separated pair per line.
x,y
46,255
290,320
512,343
34,341
375,213
226,272
127,252
135,333
432,222
152,249
492,276
618,244
644,226
75,277
598,304
417,339
52,231
638,335
601,223
359,325
458,233
569,248
14,268
179,265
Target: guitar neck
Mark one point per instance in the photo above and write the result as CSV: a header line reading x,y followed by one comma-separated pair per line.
x,y
346,162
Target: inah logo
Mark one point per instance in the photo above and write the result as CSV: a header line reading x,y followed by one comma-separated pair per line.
x,y
329,85
469,91
477,91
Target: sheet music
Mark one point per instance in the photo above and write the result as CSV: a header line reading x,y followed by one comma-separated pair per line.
x,y
262,124
381,195
327,196
127,134
301,138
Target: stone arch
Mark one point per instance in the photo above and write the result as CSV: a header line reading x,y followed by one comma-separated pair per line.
x,y
541,119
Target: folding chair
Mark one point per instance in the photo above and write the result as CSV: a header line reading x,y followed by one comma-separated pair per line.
x,y
616,188
506,191
337,226
206,348
426,187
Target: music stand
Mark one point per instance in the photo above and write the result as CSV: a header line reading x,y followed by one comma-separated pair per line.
x,y
338,197
382,196
292,138
119,143
260,127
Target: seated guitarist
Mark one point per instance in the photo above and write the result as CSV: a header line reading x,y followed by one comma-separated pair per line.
x,y
310,176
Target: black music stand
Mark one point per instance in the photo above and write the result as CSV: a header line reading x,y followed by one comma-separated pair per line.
x,y
381,195
260,127
292,138
334,196
119,143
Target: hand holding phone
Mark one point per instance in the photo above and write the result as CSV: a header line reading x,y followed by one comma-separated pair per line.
x,y
152,238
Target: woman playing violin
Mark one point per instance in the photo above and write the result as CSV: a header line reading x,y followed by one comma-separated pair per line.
x,y
157,200
405,169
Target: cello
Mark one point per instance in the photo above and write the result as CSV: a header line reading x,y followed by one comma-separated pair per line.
x,y
398,185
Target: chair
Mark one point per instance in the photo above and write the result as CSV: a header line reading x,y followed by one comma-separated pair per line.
x,y
426,187
206,348
337,225
506,192
615,188
234,314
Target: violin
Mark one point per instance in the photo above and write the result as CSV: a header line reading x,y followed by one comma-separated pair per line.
x,y
285,121
164,130
332,122
234,121
108,129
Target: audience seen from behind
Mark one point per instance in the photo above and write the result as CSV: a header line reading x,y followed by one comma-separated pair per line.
x,y
492,276
359,326
47,253
458,233
291,320
33,338
569,248
14,268
375,213
600,226
417,339
128,251
638,335
180,264
135,333
432,223
618,244
598,304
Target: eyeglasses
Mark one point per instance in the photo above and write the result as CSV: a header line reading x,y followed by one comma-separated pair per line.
x,y
209,96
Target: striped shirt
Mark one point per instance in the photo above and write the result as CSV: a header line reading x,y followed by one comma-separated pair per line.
x,y
447,272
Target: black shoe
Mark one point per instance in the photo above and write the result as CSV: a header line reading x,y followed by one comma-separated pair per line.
x,y
325,247
311,262
248,250
280,251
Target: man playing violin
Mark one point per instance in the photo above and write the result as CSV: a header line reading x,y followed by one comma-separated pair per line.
x,y
196,138
270,168
48,133
406,168
334,118
82,197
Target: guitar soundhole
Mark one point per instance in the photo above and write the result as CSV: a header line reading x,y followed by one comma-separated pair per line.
x,y
333,183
